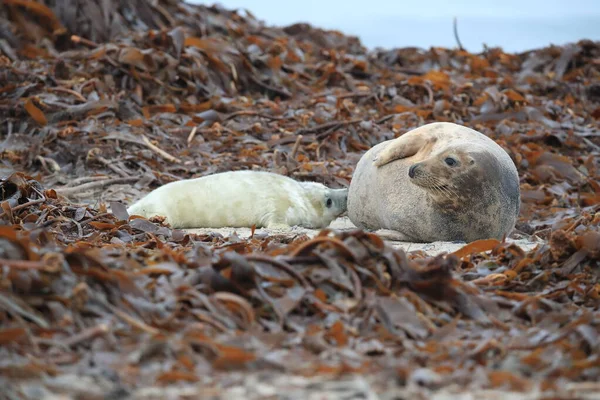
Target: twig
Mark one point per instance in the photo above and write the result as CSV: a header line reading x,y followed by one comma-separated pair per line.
x,y
390,116
141,325
192,135
8,50
385,118
281,92
591,144
322,135
79,228
94,154
455,24
95,217
66,191
162,11
85,179
21,264
29,203
24,205
343,96
296,146
251,113
553,340
85,42
429,92
328,125
80,110
574,224
85,335
75,94
160,151
112,166
7,303
409,71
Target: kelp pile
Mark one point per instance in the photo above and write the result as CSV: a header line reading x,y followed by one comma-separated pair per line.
x,y
101,103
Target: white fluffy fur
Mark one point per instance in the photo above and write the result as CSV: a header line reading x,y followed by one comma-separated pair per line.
x,y
243,199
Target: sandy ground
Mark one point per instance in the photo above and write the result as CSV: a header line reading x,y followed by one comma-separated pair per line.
x,y
343,223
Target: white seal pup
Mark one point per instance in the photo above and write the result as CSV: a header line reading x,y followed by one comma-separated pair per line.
x,y
439,182
242,199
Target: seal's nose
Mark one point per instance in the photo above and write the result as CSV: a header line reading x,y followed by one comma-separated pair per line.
x,y
411,170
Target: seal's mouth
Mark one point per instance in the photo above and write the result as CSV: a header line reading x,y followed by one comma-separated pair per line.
x,y
435,186
429,183
422,178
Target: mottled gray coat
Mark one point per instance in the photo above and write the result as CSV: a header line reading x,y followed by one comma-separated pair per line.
x,y
477,198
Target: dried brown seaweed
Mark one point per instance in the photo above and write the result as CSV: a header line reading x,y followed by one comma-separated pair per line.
x,y
100,112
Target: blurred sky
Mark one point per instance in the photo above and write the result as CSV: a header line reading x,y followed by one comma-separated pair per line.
x,y
511,24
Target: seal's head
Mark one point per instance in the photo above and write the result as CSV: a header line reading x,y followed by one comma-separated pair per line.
x,y
449,173
327,203
336,202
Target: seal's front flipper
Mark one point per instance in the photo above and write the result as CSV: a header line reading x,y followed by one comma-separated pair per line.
x,y
406,145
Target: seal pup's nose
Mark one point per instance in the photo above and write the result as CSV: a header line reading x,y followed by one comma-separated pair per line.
x,y
411,170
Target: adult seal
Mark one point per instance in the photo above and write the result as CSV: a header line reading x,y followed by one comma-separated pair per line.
x,y
242,199
438,182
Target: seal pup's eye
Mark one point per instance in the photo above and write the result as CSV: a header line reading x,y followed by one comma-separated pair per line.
x,y
329,203
450,161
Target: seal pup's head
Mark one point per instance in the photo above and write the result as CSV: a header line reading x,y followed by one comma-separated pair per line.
x,y
327,203
336,202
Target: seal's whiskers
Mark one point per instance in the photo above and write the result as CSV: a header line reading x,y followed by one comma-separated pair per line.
x,y
439,187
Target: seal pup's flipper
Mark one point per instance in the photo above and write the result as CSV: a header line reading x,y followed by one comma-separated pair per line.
x,y
393,235
278,226
403,147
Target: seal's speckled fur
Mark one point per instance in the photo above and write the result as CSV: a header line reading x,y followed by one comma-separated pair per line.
x,y
478,197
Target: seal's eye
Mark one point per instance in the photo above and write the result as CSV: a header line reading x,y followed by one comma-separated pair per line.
x,y
329,203
450,161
